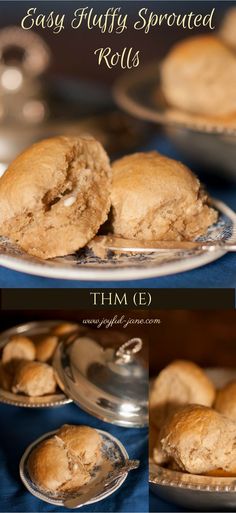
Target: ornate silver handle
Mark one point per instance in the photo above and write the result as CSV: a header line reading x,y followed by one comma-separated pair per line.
x,y
126,351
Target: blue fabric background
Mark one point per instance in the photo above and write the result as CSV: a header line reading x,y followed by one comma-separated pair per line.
x,y
221,273
21,426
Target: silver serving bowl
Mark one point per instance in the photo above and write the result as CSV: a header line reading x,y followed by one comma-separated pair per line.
x,y
199,493
204,141
31,329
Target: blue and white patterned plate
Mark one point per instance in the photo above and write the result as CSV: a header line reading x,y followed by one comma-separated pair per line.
x,y
114,456
83,265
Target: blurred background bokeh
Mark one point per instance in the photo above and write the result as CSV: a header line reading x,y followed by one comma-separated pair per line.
x,y
206,337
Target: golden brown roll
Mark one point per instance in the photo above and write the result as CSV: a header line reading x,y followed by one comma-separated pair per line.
x,y
34,379
64,462
55,196
46,347
18,348
200,440
52,467
199,75
157,198
226,401
182,382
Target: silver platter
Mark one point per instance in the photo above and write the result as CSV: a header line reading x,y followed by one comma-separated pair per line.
x,y
47,401
114,455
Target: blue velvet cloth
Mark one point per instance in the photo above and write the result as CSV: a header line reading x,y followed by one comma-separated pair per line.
x,y
220,273
21,426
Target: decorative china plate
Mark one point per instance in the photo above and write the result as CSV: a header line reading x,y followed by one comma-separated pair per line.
x,y
114,455
84,265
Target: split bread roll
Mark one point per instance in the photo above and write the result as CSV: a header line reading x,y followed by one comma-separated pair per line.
x,y
34,379
200,440
55,196
158,198
199,75
182,382
63,462
226,401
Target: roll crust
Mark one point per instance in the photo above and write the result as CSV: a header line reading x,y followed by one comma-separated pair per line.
x,y
158,198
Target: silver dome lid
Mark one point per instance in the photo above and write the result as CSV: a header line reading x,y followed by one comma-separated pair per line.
x,y
111,384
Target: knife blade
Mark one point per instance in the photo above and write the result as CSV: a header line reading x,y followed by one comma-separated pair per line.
x,y
86,493
118,244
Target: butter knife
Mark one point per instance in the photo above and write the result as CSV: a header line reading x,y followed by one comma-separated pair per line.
x,y
118,244
88,492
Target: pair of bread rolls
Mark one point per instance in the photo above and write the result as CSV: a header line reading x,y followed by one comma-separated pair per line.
x,y
64,461
56,195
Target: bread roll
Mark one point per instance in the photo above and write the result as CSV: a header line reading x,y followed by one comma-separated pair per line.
x,y
226,401
199,75
52,467
157,198
181,382
200,440
46,347
18,348
55,196
34,379
64,462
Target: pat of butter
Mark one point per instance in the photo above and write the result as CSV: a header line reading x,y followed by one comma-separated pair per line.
x,y
69,201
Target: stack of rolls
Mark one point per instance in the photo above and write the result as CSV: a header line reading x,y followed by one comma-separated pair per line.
x,y
193,425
